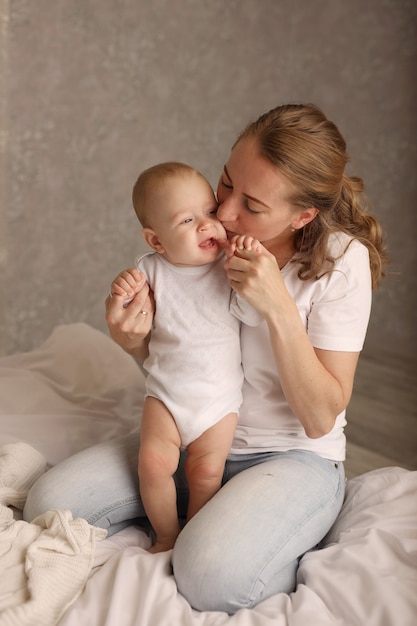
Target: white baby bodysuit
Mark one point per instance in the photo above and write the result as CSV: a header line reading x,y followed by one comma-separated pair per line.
x,y
194,363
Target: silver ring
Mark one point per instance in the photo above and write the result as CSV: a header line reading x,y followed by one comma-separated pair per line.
x,y
144,312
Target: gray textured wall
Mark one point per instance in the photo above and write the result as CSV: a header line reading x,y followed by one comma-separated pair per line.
x,y
92,91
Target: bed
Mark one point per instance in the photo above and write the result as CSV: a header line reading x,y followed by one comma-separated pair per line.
x,y
79,388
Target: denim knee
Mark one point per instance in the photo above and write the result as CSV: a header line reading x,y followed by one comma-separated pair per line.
x,y
211,582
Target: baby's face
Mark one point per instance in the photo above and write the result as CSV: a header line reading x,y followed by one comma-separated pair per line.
x,y
184,219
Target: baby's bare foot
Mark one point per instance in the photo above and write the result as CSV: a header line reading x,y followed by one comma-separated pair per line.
x,y
160,546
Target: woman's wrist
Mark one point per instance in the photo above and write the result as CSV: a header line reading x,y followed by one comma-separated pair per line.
x,y
282,315
141,350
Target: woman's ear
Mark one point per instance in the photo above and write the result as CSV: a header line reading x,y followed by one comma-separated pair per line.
x,y
304,218
152,240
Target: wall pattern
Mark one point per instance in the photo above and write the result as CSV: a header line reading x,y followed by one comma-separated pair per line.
x,y
93,91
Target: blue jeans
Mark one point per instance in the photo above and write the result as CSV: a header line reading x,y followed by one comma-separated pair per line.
x,y
242,547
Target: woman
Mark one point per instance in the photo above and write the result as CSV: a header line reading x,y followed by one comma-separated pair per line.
x,y
284,184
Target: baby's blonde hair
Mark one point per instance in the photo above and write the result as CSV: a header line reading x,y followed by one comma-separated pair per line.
x,y
150,178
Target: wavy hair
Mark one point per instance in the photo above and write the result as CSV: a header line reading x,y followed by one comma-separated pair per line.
x,y
310,151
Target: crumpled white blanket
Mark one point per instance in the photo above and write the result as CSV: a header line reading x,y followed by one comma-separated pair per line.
x,y
364,575
44,565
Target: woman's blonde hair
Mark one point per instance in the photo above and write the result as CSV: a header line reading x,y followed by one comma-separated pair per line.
x,y
310,151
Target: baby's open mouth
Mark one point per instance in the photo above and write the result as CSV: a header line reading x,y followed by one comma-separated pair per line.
x,y
208,244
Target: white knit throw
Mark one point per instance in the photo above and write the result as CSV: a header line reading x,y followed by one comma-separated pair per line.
x,y
44,565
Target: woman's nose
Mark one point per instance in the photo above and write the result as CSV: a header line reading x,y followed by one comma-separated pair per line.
x,y
226,211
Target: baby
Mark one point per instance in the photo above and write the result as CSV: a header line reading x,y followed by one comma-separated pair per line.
x,y
193,386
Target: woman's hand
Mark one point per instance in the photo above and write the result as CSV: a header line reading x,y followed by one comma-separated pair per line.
x,y
254,274
129,312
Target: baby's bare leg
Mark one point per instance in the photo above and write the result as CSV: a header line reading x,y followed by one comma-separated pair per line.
x,y
205,462
158,461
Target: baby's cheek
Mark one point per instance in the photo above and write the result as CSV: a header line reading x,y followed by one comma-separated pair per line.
x,y
221,232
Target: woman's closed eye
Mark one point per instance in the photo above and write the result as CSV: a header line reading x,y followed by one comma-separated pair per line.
x,y
251,211
225,184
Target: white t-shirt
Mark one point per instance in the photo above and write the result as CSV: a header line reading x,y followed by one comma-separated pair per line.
x,y
194,363
335,310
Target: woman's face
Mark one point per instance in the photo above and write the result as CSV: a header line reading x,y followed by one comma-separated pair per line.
x,y
254,198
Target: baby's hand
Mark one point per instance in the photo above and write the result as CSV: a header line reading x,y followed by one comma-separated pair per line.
x,y
128,283
243,242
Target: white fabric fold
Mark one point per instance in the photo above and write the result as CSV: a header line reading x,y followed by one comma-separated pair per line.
x,y
20,466
44,565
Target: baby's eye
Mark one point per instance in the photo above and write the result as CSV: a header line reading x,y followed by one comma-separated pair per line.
x,y
187,220
213,211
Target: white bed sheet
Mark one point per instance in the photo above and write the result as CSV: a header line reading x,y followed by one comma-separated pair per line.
x,y
76,389
79,388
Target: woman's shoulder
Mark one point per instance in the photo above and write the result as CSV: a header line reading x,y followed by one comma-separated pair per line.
x,y
344,248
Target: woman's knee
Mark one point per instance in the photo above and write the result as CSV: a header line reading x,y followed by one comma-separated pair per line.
x,y
207,575
204,563
201,576
44,495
